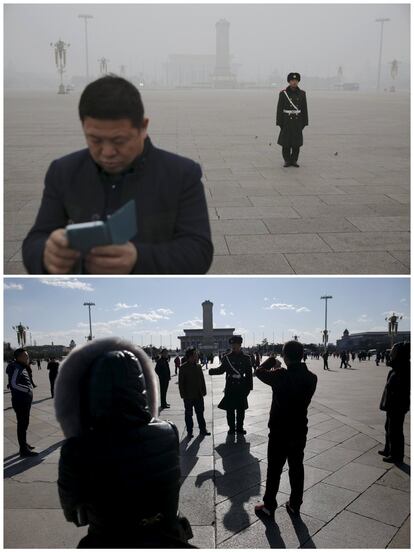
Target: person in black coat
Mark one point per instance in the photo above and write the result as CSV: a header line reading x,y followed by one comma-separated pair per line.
x,y
239,382
291,117
395,401
119,468
21,388
162,369
293,389
121,164
53,367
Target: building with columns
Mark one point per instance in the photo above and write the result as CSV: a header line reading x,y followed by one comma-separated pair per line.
x,y
207,339
369,340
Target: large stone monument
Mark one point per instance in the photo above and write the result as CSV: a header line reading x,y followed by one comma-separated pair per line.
x,y
222,77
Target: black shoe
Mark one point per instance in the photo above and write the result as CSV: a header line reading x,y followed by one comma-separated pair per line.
x,y
165,406
205,432
29,447
295,165
286,164
242,431
383,452
392,460
292,511
231,431
26,453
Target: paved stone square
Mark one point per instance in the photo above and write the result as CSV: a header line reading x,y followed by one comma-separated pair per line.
x,y
352,499
344,211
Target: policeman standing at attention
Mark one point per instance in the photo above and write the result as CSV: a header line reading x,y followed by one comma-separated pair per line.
x,y
291,117
239,382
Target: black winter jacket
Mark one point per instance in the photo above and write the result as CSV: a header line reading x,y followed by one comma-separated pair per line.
x,y
20,383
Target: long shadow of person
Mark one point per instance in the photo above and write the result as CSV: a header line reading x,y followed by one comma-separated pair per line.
x,y
240,481
188,454
272,532
17,465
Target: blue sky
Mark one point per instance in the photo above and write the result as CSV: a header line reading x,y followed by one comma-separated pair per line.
x,y
157,309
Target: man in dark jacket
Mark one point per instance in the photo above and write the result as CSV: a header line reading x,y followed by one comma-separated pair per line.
x,y
291,117
288,423
395,401
192,388
121,164
162,369
239,382
22,396
53,367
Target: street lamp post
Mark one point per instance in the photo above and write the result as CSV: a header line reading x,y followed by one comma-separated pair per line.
x,y
60,49
85,18
325,331
382,21
89,305
393,327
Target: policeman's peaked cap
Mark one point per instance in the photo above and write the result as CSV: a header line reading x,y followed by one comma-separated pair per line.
x,y
292,76
236,339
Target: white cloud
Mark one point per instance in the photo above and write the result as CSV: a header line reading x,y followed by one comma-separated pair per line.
x,y
280,306
286,306
265,298
224,312
194,324
262,326
364,319
403,301
120,306
14,287
165,312
339,322
68,283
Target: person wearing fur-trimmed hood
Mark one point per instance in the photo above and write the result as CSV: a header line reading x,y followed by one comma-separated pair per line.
x,y
119,468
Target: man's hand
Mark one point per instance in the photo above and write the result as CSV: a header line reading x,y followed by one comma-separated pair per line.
x,y
112,259
58,257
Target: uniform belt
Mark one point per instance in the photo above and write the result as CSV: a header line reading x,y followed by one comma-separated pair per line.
x,y
292,111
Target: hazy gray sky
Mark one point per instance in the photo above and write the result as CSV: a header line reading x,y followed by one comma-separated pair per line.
x,y
310,38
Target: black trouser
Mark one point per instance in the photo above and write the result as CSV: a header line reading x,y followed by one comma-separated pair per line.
x,y
394,435
22,409
198,405
325,364
290,153
280,449
231,418
52,379
163,391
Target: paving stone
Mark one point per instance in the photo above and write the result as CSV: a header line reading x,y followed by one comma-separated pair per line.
x,y
325,501
197,499
371,223
238,227
284,533
308,225
256,212
383,504
39,523
312,476
402,256
193,466
396,478
318,445
371,458
401,538
348,530
282,243
340,434
204,536
359,442
368,262
220,245
367,241
275,263
354,476
333,459
234,482
35,495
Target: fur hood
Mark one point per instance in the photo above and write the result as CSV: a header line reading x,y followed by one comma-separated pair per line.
x,y
75,367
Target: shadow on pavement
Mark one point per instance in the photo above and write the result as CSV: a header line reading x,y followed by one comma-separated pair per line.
x,y
404,467
21,465
230,482
42,400
272,533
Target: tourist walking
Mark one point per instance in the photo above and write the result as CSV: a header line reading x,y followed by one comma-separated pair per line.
x,y
162,369
53,367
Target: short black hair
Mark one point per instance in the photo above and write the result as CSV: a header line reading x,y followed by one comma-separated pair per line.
x,y
18,352
190,351
112,98
293,350
402,352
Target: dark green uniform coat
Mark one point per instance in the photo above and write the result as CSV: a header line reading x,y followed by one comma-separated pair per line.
x,y
239,382
291,125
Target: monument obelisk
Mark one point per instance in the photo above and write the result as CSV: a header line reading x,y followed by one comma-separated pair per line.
x,y
222,77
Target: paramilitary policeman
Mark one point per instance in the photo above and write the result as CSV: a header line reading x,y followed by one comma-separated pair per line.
x,y
239,382
291,117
